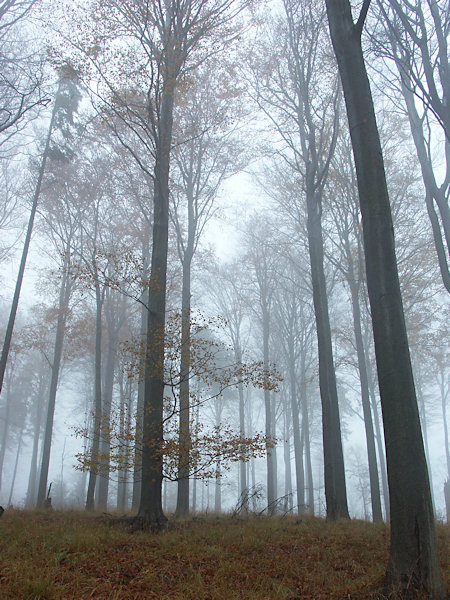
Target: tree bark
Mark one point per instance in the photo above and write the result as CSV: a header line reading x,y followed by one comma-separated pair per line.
x,y
184,437
413,565
64,297
32,479
150,509
270,433
108,386
95,446
365,400
334,473
298,446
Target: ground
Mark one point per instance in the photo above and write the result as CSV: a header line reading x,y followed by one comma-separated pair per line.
x,y
68,555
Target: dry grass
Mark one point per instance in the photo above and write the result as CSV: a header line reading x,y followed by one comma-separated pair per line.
x,y
50,556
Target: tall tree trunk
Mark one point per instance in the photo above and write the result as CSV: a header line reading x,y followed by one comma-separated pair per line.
x,y
64,297
32,479
271,452
150,508
108,386
378,436
413,564
287,458
137,471
5,431
334,473
365,399
13,481
96,426
298,447
307,444
243,484
26,245
218,488
184,437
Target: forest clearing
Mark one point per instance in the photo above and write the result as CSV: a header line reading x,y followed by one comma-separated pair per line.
x,y
58,555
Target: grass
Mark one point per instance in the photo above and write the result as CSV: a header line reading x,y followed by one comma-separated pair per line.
x,y
70,555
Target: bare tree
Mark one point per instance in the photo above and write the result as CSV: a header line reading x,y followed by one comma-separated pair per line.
x,y
414,36
299,93
21,69
208,151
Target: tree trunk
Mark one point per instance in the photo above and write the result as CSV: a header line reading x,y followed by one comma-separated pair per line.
x,y
13,481
334,473
64,297
309,484
96,427
413,565
379,437
287,459
271,452
243,485
298,447
26,245
5,426
218,489
365,400
184,437
108,386
150,508
32,479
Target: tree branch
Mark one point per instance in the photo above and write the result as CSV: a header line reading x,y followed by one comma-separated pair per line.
x,y
362,17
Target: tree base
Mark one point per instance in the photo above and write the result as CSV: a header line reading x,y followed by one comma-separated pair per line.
x,y
149,522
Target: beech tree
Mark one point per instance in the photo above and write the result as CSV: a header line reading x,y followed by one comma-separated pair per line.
x,y
413,36
413,566
298,91
206,153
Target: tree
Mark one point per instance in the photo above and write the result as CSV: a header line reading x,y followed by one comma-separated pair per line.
x,y
413,37
299,92
21,69
66,102
413,566
206,153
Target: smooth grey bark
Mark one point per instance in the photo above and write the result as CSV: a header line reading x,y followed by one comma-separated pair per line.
x,y
37,422
334,472
97,421
114,311
309,482
413,567
184,437
243,485
271,454
108,387
311,139
4,441
63,305
137,471
150,507
378,433
126,416
16,463
298,442
365,400
288,503
349,262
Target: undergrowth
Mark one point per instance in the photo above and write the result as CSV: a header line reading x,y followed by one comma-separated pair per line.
x,y
70,555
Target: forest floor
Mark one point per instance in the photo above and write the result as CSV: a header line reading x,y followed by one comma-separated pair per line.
x,y
70,555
